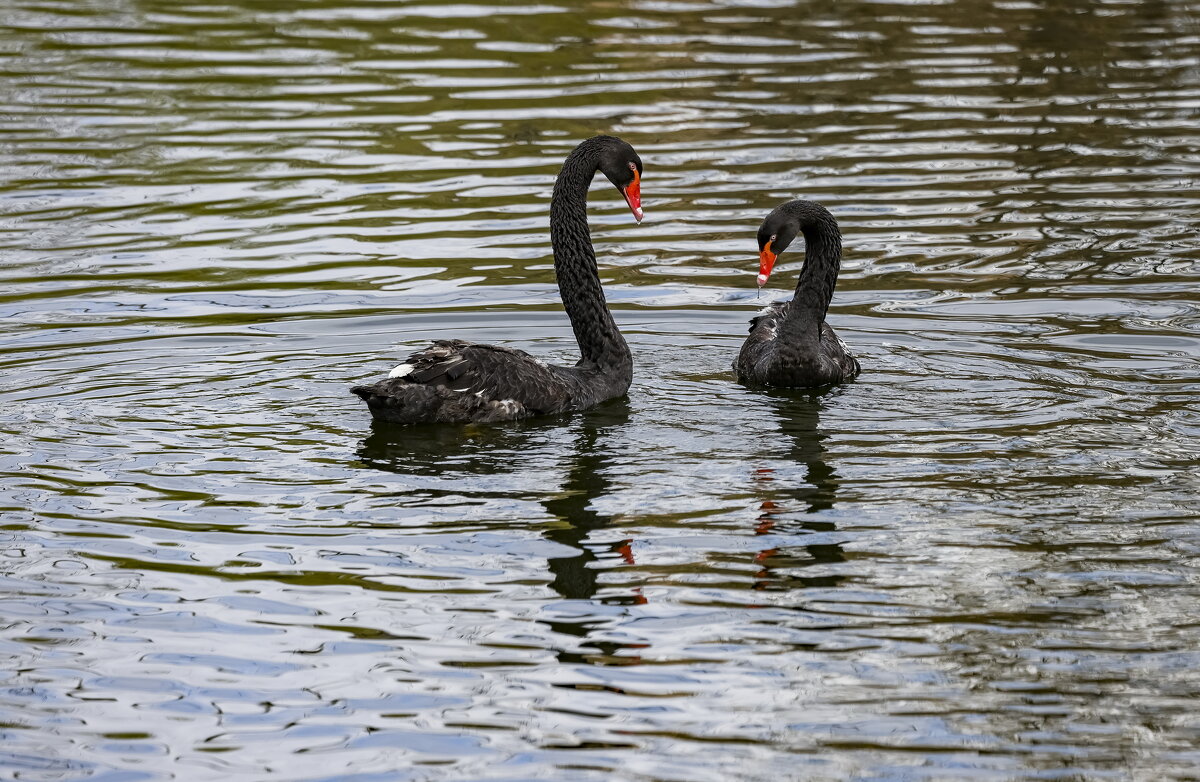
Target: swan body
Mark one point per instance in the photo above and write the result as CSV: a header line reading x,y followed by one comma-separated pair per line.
x,y
456,381
790,344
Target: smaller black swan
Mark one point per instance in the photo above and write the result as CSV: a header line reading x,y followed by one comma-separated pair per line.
x,y
790,343
456,381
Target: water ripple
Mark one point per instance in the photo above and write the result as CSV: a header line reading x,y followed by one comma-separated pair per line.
x,y
976,562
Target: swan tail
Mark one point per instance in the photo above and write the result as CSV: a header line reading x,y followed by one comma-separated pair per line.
x,y
401,402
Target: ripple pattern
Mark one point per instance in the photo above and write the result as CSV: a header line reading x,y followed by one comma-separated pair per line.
x,y
980,561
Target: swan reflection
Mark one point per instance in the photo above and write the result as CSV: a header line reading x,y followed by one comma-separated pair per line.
x,y
483,462
576,575
794,508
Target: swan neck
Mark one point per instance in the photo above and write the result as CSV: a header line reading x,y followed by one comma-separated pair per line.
x,y
818,278
600,342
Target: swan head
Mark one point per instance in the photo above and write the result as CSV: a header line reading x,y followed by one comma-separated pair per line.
x,y
774,235
621,164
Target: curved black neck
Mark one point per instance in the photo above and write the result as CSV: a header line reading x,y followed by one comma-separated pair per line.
x,y
822,261
600,343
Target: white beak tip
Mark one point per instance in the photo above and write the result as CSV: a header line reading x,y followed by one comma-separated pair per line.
x,y
762,280
638,214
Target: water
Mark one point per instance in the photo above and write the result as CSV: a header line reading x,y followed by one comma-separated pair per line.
x,y
980,561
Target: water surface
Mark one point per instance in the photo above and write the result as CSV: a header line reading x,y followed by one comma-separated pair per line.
x,y
980,561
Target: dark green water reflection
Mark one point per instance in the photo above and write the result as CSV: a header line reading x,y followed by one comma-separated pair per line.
x,y
978,562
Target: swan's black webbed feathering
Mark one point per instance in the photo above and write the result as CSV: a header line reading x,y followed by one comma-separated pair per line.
x,y
495,373
767,317
462,381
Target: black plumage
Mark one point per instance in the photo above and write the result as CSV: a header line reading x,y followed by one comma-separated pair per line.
x,y
790,344
457,381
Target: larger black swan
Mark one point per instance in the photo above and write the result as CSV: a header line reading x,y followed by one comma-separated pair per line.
x,y
790,343
457,381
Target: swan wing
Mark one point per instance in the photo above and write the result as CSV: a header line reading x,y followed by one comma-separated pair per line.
x,y
760,345
837,353
488,372
766,319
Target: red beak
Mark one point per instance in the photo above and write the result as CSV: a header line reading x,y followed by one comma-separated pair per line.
x,y
633,196
766,262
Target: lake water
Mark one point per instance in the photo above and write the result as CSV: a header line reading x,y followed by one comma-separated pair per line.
x,y
979,561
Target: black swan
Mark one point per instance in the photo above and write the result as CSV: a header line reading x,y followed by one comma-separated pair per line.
x,y
457,381
790,343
